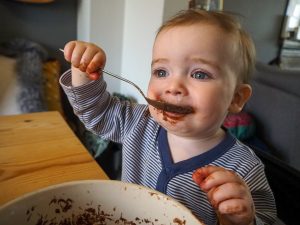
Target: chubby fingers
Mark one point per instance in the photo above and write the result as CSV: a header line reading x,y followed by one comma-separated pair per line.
x,y
95,63
68,50
227,193
86,57
212,176
220,184
236,212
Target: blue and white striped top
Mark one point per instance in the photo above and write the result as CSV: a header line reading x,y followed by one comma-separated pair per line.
x,y
146,158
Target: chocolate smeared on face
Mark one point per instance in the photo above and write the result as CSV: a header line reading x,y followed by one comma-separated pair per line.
x,y
177,109
168,107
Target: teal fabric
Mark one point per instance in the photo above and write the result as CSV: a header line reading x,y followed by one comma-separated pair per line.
x,y
95,145
240,125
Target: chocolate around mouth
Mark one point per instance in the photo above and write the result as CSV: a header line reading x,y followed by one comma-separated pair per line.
x,y
177,109
168,107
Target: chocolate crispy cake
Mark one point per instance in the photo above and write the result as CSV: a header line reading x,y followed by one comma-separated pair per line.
x,y
88,216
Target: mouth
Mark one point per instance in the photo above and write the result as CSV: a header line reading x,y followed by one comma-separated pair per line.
x,y
172,108
173,116
173,113
177,109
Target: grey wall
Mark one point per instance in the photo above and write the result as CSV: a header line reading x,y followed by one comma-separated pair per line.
x,y
51,25
262,19
54,24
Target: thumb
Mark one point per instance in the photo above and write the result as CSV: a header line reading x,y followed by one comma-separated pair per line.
x,y
94,75
198,176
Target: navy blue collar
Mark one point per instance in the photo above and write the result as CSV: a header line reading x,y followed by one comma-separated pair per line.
x,y
194,162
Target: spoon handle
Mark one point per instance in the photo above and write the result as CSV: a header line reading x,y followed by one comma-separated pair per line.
x,y
123,79
119,77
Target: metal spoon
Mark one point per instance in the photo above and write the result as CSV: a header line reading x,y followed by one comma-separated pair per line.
x,y
164,106
157,104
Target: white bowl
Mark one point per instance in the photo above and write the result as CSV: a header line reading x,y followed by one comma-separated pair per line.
x,y
114,202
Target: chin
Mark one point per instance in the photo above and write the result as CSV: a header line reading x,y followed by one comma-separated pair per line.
x,y
166,118
173,125
178,130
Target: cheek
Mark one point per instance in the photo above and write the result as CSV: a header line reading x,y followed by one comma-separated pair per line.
x,y
150,87
153,91
213,99
155,114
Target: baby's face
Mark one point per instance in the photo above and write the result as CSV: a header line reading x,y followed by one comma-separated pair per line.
x,y
192,66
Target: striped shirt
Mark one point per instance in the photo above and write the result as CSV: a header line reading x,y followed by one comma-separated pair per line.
x,y
146,157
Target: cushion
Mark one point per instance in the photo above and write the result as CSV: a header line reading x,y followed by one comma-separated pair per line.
x,y
277,114
9,87
286,80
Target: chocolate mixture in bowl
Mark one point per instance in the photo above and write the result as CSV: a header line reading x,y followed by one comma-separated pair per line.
x,y
88,216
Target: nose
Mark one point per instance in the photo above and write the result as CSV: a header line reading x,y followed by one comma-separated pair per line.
x,y
176,87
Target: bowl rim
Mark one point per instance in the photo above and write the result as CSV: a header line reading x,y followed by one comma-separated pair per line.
x,y
115,182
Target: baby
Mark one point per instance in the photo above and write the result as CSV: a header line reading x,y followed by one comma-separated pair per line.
x,y
201,60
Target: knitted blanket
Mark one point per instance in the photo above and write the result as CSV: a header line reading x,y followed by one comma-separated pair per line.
x,y
30,57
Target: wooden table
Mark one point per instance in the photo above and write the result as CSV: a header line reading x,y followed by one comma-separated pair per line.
x,y
38,150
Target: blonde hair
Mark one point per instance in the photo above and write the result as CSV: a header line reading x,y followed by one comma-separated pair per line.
x,y
245,49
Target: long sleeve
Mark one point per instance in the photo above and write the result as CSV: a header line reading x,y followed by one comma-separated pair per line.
x,y
104,115
262,196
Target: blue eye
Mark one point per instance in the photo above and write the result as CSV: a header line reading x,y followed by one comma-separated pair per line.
x,y
160,73
200,75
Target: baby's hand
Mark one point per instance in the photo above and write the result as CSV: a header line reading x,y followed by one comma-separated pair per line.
x,y
86,57
227,193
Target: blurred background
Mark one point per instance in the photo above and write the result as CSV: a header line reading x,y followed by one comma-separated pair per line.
x,y
125,29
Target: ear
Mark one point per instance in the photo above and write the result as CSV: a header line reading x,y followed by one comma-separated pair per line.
x,y
241,96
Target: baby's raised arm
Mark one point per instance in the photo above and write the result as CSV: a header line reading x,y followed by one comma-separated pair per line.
x,y
86,59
